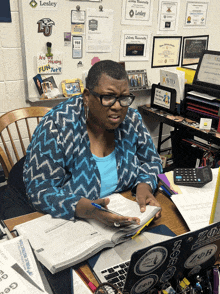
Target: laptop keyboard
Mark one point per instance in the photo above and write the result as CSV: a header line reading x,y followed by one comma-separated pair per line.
x,y
116,275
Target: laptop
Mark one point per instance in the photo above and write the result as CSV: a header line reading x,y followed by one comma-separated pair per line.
x,y
152,266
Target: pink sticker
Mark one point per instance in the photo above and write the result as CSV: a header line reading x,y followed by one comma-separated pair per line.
x,y
94,60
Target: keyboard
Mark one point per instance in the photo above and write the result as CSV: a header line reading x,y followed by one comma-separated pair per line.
x,y
116,275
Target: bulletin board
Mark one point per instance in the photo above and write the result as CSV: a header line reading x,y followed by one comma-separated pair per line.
x,y
49,22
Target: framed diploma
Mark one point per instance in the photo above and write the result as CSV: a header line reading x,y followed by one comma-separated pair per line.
x,y
166,51
163,98
134,46
193,48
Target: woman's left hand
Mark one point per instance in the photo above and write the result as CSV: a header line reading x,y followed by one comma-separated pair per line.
x,y
145,197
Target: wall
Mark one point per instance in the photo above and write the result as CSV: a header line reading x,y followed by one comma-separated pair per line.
x,y
12,73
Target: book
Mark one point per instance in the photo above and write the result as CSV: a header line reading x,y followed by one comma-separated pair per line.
x,y
60,243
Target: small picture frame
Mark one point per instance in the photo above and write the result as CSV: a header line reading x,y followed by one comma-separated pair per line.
x,y
72,87
137,80
193,48
163,98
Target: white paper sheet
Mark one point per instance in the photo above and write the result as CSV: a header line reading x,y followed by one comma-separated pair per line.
x,y
99,30
195,204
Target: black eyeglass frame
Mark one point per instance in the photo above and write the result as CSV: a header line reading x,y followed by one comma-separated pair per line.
x,y
102,288
101,96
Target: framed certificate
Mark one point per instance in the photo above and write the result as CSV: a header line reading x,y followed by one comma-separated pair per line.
x,y
166,51
193,48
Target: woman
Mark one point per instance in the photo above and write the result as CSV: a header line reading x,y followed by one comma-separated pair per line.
x,y
74,144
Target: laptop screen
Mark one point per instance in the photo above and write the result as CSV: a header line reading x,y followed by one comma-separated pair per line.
x,y
172,260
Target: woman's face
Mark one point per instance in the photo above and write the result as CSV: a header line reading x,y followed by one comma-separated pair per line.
x,y
38,83
110,117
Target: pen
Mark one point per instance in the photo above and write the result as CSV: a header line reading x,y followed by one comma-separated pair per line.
x,y
165,191
6,230
109,210
138,232
86,280
104,209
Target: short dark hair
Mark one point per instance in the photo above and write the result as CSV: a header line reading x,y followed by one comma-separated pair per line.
x,y
109,67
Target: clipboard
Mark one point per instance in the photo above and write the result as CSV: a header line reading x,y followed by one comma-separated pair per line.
x,y
215,212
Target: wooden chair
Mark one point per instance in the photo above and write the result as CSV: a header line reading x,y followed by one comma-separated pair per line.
x,y
26,115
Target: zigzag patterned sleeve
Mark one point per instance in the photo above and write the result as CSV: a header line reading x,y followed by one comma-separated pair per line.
x,y
147,154
48,185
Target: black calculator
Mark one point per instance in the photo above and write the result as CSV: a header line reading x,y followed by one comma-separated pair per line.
x,y
194,177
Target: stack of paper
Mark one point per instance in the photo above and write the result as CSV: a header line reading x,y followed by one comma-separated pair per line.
x,y
19,271
195,204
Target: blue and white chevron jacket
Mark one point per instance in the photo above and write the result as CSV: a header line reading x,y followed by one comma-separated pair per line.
x,y
60,169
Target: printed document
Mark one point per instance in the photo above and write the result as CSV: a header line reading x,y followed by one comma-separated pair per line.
x,y
195,204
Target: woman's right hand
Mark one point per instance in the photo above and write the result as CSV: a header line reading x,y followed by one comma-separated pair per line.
x,y
84,209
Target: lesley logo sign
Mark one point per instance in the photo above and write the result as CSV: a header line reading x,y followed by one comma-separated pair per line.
x,y
44,5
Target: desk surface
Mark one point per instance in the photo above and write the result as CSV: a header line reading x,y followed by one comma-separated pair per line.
x,y
170,217
180,122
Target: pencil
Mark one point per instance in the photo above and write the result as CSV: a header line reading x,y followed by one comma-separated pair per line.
x,y
6,230
86,280
138,232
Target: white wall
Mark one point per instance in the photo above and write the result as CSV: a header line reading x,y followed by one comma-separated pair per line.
x,y
12,85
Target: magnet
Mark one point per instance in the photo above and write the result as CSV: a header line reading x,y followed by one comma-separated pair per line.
x,y
45,26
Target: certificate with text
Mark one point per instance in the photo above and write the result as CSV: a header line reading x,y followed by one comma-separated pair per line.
x,y
168,16
99,30
137,12
196,14
166,51
134,46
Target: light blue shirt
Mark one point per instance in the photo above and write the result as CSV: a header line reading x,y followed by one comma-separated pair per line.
x,y
108,172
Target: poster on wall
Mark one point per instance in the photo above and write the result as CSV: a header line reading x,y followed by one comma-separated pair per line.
x,y
134,46
193,47
196,14
5,13
99,30
136,12
166,51
168,16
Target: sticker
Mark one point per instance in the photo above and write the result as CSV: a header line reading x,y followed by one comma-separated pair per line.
x,y
151,260
195,270
168,274
144,284
67,39
200,256
45,26
44,5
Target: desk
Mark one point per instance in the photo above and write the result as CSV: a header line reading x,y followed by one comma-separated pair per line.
x,y
170,217
164,117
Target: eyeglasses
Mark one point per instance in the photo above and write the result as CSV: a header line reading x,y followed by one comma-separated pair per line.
x,y
109,100
107,288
